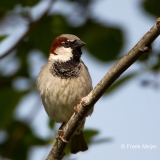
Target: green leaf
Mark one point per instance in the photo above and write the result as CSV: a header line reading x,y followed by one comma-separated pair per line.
x,y
156,66
103,42
152,6
102,140
22,54
20,139
8,102
51,124
3,37
144,57
89,134
9,5
120,82
42,36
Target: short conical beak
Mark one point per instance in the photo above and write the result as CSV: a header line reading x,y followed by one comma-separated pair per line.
x,y
79,43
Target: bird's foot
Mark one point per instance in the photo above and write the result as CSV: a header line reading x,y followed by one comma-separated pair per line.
x,y
76,107
60,134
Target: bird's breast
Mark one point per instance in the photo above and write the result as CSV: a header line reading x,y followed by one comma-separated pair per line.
x,y
59,96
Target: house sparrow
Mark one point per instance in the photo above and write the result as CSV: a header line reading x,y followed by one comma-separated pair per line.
x,y
63,81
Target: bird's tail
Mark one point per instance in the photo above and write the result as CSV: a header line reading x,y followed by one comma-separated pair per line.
x,y
78,143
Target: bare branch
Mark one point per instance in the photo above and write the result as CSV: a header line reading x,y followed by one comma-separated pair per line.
x,y
30,27
143,46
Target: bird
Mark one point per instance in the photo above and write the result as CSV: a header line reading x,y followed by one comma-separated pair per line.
x,y
62,82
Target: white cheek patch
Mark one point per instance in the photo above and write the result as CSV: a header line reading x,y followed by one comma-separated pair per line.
x,y
63,54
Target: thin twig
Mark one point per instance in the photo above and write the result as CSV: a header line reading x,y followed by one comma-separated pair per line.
x,y
31,25
143,46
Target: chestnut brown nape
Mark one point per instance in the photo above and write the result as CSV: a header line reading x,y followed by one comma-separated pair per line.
x,y
57,43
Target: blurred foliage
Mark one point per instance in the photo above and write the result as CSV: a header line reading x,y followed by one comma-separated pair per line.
x,y
89,135
103,42
152,60
5,6
3,37
107,38
20,140
121,82
152,7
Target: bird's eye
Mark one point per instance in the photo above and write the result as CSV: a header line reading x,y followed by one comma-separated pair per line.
x,y
66,44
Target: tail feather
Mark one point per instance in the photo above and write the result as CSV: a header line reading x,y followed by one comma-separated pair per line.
x,y
78,143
